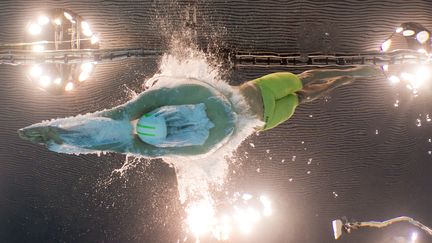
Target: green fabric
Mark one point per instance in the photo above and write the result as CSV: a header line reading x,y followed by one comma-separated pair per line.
x,y
279,97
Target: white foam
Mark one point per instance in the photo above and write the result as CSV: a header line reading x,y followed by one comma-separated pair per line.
x,y
196,174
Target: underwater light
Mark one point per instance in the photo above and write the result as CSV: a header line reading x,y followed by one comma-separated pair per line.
x,y
394,79
422,36
94,39
69,86
67,16
36,71
55,30
200,217
57,81
34,29
408,36
38,48
83,76
87,67
57,21
43,20
45,81
414,237
267,209
386,45
242,214
423,73
415,40
408,32
407,76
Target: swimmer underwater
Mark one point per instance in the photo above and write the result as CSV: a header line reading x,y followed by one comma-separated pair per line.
x,y
192,117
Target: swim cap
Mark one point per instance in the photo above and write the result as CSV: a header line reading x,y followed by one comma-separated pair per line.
x,y
151,129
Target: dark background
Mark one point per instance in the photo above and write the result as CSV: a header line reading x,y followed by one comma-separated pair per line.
x,y
49,197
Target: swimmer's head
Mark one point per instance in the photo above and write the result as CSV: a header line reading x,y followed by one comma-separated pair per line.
x,y
151,129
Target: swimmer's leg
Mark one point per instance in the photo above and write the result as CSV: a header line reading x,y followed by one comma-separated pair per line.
x,y
318,82
312,92
318,75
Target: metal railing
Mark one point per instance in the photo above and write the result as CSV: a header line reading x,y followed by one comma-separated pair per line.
x,y
238,59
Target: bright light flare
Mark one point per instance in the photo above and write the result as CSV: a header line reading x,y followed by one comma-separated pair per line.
x,y
87,67
200,217
87,32
386,45
414,237
68,16
45,81
57,21
247,196
423,73
407,76
94,39
38,48
69,86
36,71
246,219
267,207
408,32
399,29
421,50
34,29
85,25
86,29
394,79
422,36
241,218
58,81
223,229
83,76
43,20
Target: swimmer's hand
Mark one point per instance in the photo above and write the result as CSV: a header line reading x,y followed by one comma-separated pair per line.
x,y
42,134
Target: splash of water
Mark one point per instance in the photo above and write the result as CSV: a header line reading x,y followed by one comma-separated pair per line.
x,y
196,175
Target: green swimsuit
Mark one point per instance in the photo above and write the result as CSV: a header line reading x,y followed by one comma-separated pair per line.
x,y
279,97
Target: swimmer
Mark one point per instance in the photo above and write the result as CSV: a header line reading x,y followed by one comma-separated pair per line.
x,y
188,118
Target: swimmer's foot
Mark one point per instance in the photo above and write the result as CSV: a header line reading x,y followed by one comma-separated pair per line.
x,y
366,71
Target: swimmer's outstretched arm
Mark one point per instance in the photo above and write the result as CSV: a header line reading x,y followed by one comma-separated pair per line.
x,y
154,98
135,108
